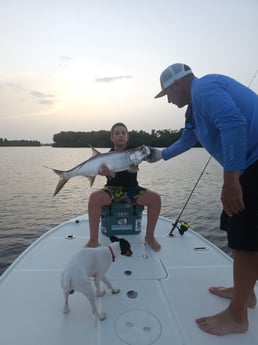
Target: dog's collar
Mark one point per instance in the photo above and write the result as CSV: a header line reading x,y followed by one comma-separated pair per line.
x,y
112,253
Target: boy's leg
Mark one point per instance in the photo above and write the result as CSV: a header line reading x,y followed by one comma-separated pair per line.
x,y
153,202
97,200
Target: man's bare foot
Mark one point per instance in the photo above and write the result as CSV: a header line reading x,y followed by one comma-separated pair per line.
x,y
91,244
221,324
225,292
153,243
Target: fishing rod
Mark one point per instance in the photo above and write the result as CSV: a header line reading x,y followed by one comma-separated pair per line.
x,y
251,81
184,226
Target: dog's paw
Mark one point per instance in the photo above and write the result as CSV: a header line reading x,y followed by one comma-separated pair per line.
x,y
101,293
66,309
102,316
115,291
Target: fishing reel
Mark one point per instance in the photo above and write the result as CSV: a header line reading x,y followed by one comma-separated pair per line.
x,y
182,228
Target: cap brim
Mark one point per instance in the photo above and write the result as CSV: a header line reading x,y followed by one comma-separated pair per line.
x,y
161,93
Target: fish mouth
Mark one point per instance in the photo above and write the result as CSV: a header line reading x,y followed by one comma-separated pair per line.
x,y
147,151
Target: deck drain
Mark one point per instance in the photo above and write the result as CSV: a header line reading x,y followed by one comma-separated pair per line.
x,y
201,248
138,324
132,294
70,237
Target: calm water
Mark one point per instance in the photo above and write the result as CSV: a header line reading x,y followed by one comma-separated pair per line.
x,y
28,209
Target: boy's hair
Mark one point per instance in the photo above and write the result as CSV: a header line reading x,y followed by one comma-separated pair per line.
x,y
120,124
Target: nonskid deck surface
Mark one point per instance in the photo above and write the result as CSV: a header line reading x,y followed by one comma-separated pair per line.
x,y
161,293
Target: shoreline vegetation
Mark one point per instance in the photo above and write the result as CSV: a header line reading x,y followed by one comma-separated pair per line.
x,y
101,139
5,142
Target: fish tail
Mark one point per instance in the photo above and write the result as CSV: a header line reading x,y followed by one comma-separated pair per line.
x,y
60,173
62,180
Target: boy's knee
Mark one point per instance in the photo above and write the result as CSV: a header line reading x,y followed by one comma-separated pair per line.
x,y
99,197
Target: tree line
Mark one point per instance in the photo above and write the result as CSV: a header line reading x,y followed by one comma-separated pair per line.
x,y
157,138
5,142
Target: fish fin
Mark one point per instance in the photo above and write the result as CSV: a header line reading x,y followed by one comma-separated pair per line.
x,y
58,172
133,168
95,152
91,180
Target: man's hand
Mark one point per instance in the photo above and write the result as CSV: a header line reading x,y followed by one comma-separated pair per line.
x,y
155,155
231,195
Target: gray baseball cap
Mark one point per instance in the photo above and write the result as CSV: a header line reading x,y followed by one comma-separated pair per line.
x,y
170,74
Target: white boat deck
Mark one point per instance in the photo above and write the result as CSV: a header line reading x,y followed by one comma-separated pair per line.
x,y
170,290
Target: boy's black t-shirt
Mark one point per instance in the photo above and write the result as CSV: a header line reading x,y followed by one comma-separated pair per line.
x,y
123,178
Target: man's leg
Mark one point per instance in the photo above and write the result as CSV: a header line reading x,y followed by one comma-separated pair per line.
x,y
234,319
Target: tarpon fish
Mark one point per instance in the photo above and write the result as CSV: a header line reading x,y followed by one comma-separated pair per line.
x,y
115,161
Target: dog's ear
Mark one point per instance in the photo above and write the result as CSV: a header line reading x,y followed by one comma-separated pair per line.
x,y
125,247
114,238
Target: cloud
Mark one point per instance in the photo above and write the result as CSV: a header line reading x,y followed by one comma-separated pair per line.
x,y
65,58
64,61
111,79
43,98
11,86
41,94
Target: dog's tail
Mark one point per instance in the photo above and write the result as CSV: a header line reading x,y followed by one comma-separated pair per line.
x,y
66,282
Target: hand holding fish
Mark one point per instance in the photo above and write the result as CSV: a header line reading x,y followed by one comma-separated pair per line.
x,y
104,170
155,155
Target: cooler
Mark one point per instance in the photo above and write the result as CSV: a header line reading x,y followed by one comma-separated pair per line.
x,y
121,218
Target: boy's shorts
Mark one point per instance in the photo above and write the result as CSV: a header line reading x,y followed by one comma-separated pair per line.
x,y
242,228
122,194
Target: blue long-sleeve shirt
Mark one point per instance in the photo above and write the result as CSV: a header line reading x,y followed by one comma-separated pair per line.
x,y
225,122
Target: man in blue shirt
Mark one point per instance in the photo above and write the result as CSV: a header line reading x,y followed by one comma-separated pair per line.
x,y
222,115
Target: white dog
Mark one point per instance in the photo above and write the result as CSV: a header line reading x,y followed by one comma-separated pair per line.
x,y
91,264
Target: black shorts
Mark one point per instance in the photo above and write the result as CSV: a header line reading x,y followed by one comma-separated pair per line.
x,y
242,228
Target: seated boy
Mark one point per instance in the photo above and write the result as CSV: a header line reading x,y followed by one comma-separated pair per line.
x,y
123,187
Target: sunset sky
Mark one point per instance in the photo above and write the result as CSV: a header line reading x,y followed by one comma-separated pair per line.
x,y
82,65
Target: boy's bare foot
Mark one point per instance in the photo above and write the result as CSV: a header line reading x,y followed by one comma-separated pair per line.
x,y
92,244
225,292
221,324
153,243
